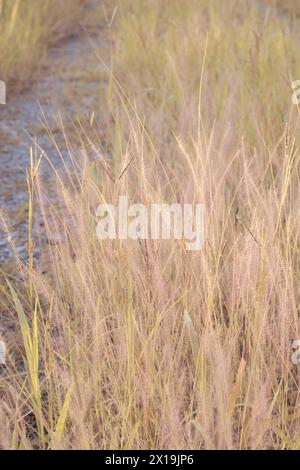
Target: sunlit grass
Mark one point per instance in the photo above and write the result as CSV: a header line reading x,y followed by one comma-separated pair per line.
x,y
28,28
290,6
144,345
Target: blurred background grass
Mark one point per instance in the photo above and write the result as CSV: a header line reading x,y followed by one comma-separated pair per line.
x,y
291,6
28,28
252,56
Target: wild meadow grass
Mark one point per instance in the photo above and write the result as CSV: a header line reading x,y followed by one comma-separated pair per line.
x,y
290,6
28,28
142,344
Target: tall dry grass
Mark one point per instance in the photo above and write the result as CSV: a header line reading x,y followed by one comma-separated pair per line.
x,y
28,28
123,344
290,6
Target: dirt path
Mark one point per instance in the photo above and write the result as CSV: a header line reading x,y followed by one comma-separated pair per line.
x,y
69,85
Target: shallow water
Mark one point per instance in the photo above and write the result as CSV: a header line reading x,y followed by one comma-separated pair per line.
x,y
68,88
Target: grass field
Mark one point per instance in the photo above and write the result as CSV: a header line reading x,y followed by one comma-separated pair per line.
x,y
291,6
28,28
142,344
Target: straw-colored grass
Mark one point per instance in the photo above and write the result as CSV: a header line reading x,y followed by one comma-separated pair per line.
x,y
142,344
28,28
290,6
